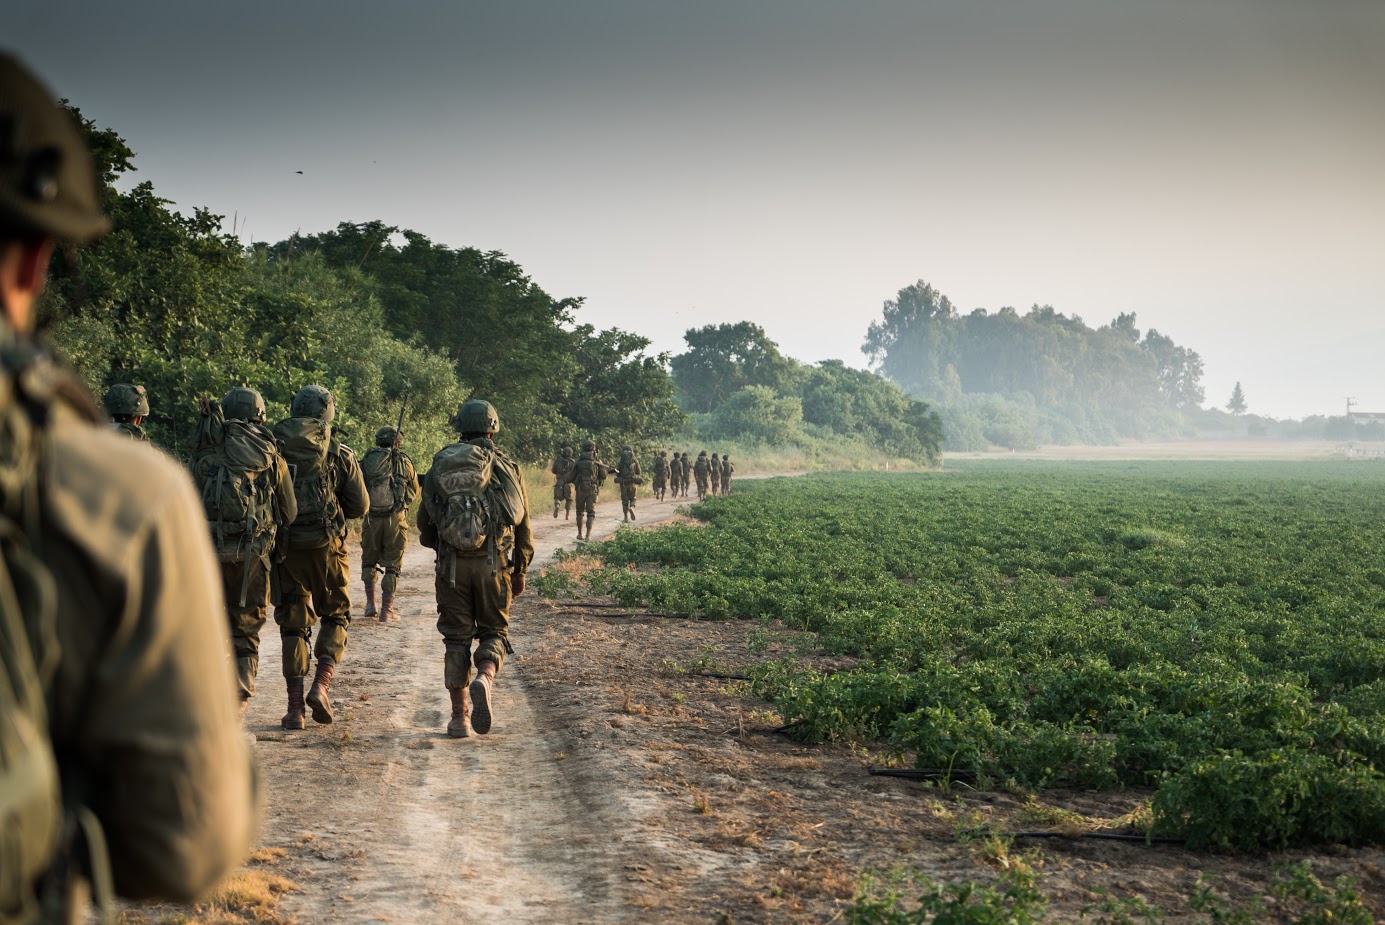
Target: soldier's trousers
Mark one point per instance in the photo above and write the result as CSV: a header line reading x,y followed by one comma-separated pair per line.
x,y
586,502
383,538
627,495
702,486
726,484
250,575
472,606
313,587
659,483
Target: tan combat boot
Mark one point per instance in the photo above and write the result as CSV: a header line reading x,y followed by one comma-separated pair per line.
x,y
322,683
387,612
294,718
481,697
591,519
460,726
369,601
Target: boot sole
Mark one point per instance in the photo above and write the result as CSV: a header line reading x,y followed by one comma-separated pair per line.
x,y
293,724
480,707
463,733
322,711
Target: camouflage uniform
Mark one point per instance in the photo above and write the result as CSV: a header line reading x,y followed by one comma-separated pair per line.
x,y
661,470
587,475
702,472
687,474
133,637
474,594
628,478
562,488
128,406
714,474
314,576
385,531
726,470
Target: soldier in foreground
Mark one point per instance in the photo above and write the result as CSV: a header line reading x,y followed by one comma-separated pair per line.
x,y
629,480
661,470
314,577
109,582
128,406
726,470
587,475
392,485
247,496
475,515
562,488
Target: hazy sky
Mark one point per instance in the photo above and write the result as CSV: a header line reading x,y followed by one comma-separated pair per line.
x,y
1216,166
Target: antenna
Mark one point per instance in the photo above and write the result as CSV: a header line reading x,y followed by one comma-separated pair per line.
x,y
1351,401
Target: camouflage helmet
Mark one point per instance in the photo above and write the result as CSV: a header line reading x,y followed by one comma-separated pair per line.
x,y
665,453
47,177
385,436
313,401
243,404
476,417
123,398
567,451
589,446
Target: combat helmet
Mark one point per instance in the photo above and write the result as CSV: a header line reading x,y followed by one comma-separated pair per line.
x,y
567,451
385,436
313,401
589,446
125,399
243,404
47,177
476,417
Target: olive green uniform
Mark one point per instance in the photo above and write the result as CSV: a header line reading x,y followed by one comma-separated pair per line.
x,y
385,530
726,470
587,475
313,579
133,431
661,470
139,707
714,474
702,472
562,488
687,475
473,595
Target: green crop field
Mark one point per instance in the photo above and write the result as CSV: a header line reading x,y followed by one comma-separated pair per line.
x,y
1213,631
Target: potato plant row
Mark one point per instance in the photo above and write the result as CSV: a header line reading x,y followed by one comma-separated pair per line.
x,y
1213,631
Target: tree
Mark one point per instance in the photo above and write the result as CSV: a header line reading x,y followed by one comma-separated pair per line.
x,y
1237,403
723,359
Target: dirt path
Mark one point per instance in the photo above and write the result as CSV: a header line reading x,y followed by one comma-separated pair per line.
x,y
383,818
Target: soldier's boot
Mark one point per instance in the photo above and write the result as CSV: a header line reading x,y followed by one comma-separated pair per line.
x,y
632,510
481,697
460,726
294,718
556,505
387,612
242,705
369,601
322,684
567,512
591,519
625,511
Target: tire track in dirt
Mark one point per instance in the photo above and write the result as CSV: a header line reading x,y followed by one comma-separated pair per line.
x,y
384,818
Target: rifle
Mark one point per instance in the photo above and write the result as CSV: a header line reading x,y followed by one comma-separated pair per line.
x,y
394,450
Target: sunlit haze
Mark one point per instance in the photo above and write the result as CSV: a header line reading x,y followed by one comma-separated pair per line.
x,y
1213,165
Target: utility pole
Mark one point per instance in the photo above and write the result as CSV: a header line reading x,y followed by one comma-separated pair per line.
x,y
1351,400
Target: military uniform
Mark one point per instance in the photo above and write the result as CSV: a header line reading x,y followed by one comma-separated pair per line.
x,y
687,474
702,472
245,568
661,470
128,406
562,488
475,587
628,478
314,576
587,475
131,634
726,470
714,473
385,532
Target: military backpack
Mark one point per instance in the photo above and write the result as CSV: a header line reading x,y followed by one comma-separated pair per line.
x,y
234,463
386,480
474,494
306,443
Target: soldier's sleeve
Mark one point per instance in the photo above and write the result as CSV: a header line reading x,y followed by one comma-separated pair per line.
x,y
285,502
427,529
524,536
411,474
352,494
142,702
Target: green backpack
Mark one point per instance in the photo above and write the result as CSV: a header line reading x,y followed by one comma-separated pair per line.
x,y
234,466
305,443
385,480
474,494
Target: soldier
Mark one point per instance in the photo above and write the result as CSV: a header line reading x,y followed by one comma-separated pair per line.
x,y
629,480
128,406
726,470
587,475
110,585
562,488
392,485
702,472
247,494
714,473
687,473
675,474
314,576
484,548
661,470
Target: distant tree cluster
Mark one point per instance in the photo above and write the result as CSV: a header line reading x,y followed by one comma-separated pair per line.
x,y
739,387
1015,380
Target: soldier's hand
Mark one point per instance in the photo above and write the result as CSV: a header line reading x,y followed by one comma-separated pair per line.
x,y
517,583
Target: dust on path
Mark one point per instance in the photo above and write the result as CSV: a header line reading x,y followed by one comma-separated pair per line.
x,y
384,818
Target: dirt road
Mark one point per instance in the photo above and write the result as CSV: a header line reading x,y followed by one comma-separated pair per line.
x,y
384,818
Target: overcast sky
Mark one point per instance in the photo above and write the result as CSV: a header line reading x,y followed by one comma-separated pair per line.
x,y
1213,165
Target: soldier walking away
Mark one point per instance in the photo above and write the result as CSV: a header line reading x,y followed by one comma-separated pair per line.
x,y
562,488
628,477
313,575
687,473
714,473
128,406
247,495
661,470
392,485
587,475
702,472
475,514
726,470
109,584
675,474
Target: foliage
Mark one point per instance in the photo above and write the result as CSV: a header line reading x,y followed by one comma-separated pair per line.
x,y
1209,630
1236,404
1012,900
